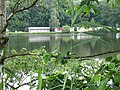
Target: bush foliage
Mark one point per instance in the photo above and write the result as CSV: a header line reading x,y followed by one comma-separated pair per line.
x,y
52,71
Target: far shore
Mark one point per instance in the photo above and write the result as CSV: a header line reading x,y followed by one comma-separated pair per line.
x,y
41,32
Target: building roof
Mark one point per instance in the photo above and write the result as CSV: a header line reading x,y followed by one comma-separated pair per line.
x,y
34,28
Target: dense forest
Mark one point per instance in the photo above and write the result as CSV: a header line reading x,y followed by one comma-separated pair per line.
x,y
56,14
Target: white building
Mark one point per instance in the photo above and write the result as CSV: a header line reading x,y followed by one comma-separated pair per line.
x,y
38,29
58,29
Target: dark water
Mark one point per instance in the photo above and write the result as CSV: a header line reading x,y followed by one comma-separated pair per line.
x,y
80,44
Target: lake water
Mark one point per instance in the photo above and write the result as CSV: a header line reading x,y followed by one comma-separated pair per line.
x,y
80,44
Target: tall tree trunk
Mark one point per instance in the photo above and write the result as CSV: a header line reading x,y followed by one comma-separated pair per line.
x,y
2,38
3,26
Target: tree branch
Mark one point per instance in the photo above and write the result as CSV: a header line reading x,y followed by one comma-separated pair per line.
x,y
81,58
16,5
22,54
26,83
22,9
91,56
9,86
22,84
100,54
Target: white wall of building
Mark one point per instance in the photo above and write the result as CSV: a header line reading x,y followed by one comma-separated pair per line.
x,y
38,29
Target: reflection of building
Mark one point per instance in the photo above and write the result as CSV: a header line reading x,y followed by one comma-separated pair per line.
x,y
39,38
118,35
82,36
38,29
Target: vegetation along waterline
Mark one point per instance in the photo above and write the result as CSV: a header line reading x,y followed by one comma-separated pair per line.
x,y
42,69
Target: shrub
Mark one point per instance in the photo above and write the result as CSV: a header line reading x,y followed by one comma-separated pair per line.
x,y
66,28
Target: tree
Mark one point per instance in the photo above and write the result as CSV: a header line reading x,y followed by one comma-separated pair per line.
x,y
43,9
2,37
16,23
40,17
54,21
37,16
108,16
20,5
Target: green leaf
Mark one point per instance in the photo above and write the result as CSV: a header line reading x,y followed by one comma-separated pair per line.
x,y
97,25
71,7
97,1
118,56
91,6
12,73
96,11
117,78
40,72
92,24
86,9
108,1
112,5
103,84
67,11
118,2
79,11
111,66
93,34
13,52
100,69
87,89
97,78
91,87
46,57
85,42
108,59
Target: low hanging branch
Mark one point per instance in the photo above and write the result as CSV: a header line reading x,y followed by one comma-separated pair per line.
x,y
22,54
16,10
28,83
16,5
109,52
81,58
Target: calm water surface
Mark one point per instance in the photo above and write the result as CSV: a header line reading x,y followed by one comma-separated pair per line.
x,y
80,44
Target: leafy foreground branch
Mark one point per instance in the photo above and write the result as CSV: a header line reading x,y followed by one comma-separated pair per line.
x,y
64,57
41,70
28,83
109,52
